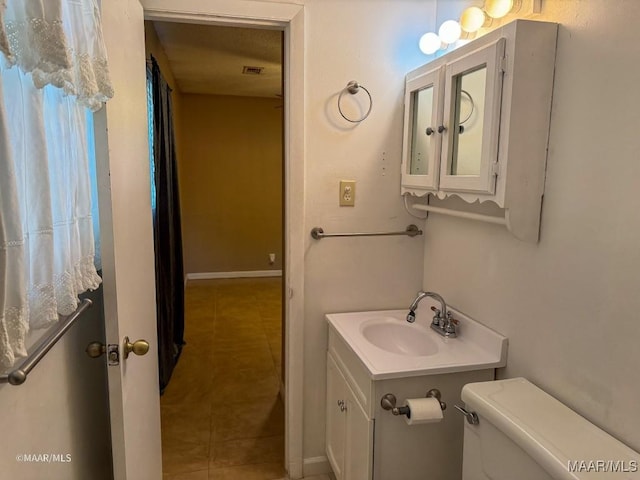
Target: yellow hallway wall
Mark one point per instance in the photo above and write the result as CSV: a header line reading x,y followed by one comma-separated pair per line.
x,y
231,183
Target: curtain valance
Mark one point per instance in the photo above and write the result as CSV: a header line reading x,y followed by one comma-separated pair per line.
x,y
58,42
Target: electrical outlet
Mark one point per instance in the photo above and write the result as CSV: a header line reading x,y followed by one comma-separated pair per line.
x,y
347,193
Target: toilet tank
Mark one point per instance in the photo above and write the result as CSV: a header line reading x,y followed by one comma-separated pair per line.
x,y
526,434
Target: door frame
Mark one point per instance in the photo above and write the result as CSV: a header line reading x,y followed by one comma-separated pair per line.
x,y
289,18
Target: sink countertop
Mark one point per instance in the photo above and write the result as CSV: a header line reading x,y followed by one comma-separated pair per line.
x,y
477,347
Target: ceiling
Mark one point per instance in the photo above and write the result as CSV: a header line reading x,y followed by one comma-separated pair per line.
x,y
210,59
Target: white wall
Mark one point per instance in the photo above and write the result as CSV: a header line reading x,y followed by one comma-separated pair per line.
x,y
60,409
569,304
374,43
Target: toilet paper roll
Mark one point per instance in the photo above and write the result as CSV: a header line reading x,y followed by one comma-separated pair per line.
x,y
423,410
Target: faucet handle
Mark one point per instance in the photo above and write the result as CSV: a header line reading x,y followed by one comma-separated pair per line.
x,y
437,316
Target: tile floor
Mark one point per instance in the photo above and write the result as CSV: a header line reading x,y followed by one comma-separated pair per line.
x,y
222,416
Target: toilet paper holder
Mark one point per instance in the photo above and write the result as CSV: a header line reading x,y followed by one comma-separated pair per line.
x,y
388,402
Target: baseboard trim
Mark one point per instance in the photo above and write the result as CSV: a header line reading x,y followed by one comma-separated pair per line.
x,y
241,274
315,466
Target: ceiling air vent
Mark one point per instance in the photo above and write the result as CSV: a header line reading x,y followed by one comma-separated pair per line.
x,y
252,70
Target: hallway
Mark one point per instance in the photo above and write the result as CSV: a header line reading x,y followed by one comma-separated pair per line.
x,y
222,416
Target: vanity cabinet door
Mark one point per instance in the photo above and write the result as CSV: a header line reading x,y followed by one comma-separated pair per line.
x,y
349,431
472,99
423,117
336,418
358,441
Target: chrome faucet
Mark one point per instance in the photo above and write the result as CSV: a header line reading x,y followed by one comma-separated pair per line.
x,y
442,321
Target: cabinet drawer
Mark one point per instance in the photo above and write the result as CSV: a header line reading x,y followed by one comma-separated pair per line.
x,y
354,371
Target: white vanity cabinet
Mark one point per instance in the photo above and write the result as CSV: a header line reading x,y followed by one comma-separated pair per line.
x,y
476,123
349,429
365,442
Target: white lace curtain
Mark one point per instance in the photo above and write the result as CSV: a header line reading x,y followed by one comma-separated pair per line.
x,y
53,66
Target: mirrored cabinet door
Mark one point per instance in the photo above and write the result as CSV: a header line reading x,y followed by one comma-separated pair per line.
x,y
423,134
421,161
472,96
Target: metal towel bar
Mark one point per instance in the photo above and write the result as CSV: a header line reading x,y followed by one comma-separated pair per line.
x,y
318,233
19,375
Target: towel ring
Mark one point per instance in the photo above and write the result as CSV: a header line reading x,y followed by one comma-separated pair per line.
x,y
353,87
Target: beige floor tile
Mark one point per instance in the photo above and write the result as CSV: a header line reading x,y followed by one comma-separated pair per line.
x,y
262,389
247,451
189,386
263,471
242,420
185,437
197,326
258,359
199,475
184,457
180,424
250,328
238,339
221,412
229,375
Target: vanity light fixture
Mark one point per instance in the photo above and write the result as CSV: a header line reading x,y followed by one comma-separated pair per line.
x,y
473,19
430,43
500,8
450,31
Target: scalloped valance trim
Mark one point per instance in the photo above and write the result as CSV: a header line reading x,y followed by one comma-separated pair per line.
x,y
58,52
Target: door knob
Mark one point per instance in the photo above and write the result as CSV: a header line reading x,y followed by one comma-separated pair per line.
x,y
441,128
95,349
139,347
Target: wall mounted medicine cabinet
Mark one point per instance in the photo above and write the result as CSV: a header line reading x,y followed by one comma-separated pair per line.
x,y
476,125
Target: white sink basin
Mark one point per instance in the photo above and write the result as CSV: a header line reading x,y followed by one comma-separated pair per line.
x,y
388,334
391,347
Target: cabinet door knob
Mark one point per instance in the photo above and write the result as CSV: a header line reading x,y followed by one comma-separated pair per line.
x,y
430,131
442,128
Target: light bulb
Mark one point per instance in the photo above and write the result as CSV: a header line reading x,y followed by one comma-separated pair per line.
x,y
472,19
430,43
449,31
498,8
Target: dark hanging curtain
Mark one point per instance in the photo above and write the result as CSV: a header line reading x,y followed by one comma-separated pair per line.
x,y
166,229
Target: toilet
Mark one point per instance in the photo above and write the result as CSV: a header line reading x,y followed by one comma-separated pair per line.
x,y
523,433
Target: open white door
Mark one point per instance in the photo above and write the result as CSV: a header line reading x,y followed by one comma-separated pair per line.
x,y
127,247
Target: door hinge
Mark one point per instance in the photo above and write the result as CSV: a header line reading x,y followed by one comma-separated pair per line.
x,y
495,168
113,354
503,64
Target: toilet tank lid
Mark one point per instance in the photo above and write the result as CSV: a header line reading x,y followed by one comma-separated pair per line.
x,y
551,433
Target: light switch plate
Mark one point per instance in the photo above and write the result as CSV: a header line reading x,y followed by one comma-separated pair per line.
x,y
347,193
